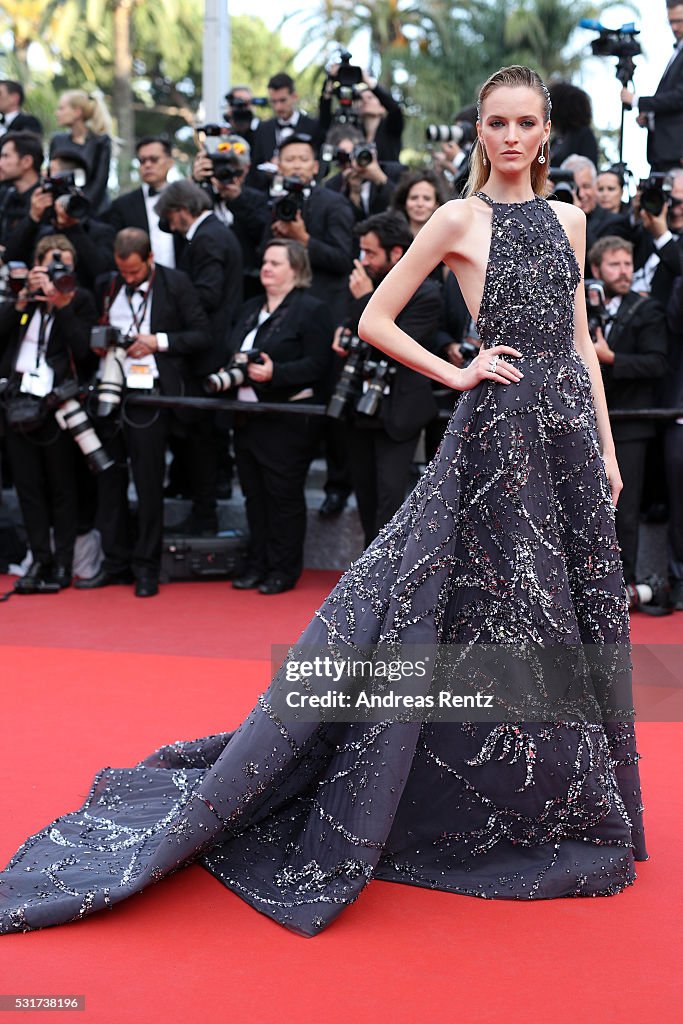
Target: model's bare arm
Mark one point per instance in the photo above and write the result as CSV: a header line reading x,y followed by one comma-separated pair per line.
x,y
442,235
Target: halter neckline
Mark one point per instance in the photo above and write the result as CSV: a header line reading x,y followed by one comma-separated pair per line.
x,y
493,202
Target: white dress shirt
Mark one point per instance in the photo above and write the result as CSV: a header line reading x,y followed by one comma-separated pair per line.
x,y
161,241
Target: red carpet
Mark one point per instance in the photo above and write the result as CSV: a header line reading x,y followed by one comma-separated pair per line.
x,y
94,679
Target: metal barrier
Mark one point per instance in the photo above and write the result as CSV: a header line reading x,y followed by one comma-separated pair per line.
x,y
310,409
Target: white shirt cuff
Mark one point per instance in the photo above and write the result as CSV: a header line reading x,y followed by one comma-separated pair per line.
x,y
162,341
663,239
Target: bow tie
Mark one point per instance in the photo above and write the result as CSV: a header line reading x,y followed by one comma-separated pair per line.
x,y
285,124
152,191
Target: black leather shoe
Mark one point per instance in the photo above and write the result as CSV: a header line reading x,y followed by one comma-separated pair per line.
x,y
104,579
333,505
61,575
146,586
275,584
36,574
248,580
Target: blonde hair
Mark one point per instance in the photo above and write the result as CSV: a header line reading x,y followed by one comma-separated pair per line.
x,y
514,76
92,108
297,256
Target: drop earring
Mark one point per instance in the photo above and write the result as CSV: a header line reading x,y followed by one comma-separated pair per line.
x,y
541,158
483,155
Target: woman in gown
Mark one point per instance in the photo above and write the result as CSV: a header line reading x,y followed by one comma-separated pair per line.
x,y
507,539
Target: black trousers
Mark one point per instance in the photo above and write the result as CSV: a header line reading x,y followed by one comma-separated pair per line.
x,y
631,460
43,469
673,452
197,456
273,456
141,437
380,471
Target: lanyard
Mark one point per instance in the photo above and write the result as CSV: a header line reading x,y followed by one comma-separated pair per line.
x,y
138,318
41,347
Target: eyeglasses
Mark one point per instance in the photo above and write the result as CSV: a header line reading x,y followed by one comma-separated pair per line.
x,y
148,160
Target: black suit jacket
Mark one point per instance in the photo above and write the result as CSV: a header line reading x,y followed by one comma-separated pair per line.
x,y
130,211
297,337
329,220
411,403
251,215
68,347
665,143
264,145
379,199
25,123
92,240
640,342
175,310
213,262
671,392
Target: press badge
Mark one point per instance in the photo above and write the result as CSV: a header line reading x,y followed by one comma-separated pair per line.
x,y
38,382
140,376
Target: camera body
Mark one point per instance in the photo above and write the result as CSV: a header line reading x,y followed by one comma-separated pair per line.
x,y
598,317
360,367
235,373
104,336
65,188
287,198
655,192
565,185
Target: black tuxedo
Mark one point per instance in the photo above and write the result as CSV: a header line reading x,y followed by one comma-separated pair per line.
x,y
638,337
14,206
273,453
670,256
44,460
329,220
665,141
213,262
130,211
380,457
251,216
25,123
176,310
379,198
265,144
673,451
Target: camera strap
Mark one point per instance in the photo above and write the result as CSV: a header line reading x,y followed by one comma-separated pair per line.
x,y
621,322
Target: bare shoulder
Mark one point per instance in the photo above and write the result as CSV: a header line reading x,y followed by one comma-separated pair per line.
x,y
572,218
456,214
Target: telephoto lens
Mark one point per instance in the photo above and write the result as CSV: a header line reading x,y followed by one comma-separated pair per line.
x,y
72,416
110,388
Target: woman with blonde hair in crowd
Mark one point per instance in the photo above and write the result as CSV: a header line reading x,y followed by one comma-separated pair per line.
x,y
87,138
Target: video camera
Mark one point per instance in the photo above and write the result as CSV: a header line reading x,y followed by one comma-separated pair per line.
x,y
66,189
462,133
287,197
241,112
655,192
235,373
359,368
345,81
619,42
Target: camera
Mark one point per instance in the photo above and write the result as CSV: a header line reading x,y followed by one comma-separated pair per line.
x,y
287,197
62,277
565,185
241,113
619,42
65,189
598,317
110,387
655,192
13,277
462,133
224,150
71,416
345,81
235,373
358,368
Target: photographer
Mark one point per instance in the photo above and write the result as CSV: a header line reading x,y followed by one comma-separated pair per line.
x,y
290,333
288,120
381,447
239,112
632,350
42,334
212,260
317,218
241,208
57,204
366,183
155,314
12,117
452,161
21,157
598,220
375,111
662,114
136,209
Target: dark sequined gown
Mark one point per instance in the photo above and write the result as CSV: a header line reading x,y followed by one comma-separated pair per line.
x,y
509,537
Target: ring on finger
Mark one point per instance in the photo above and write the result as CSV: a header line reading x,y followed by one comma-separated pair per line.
x,y
493,363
